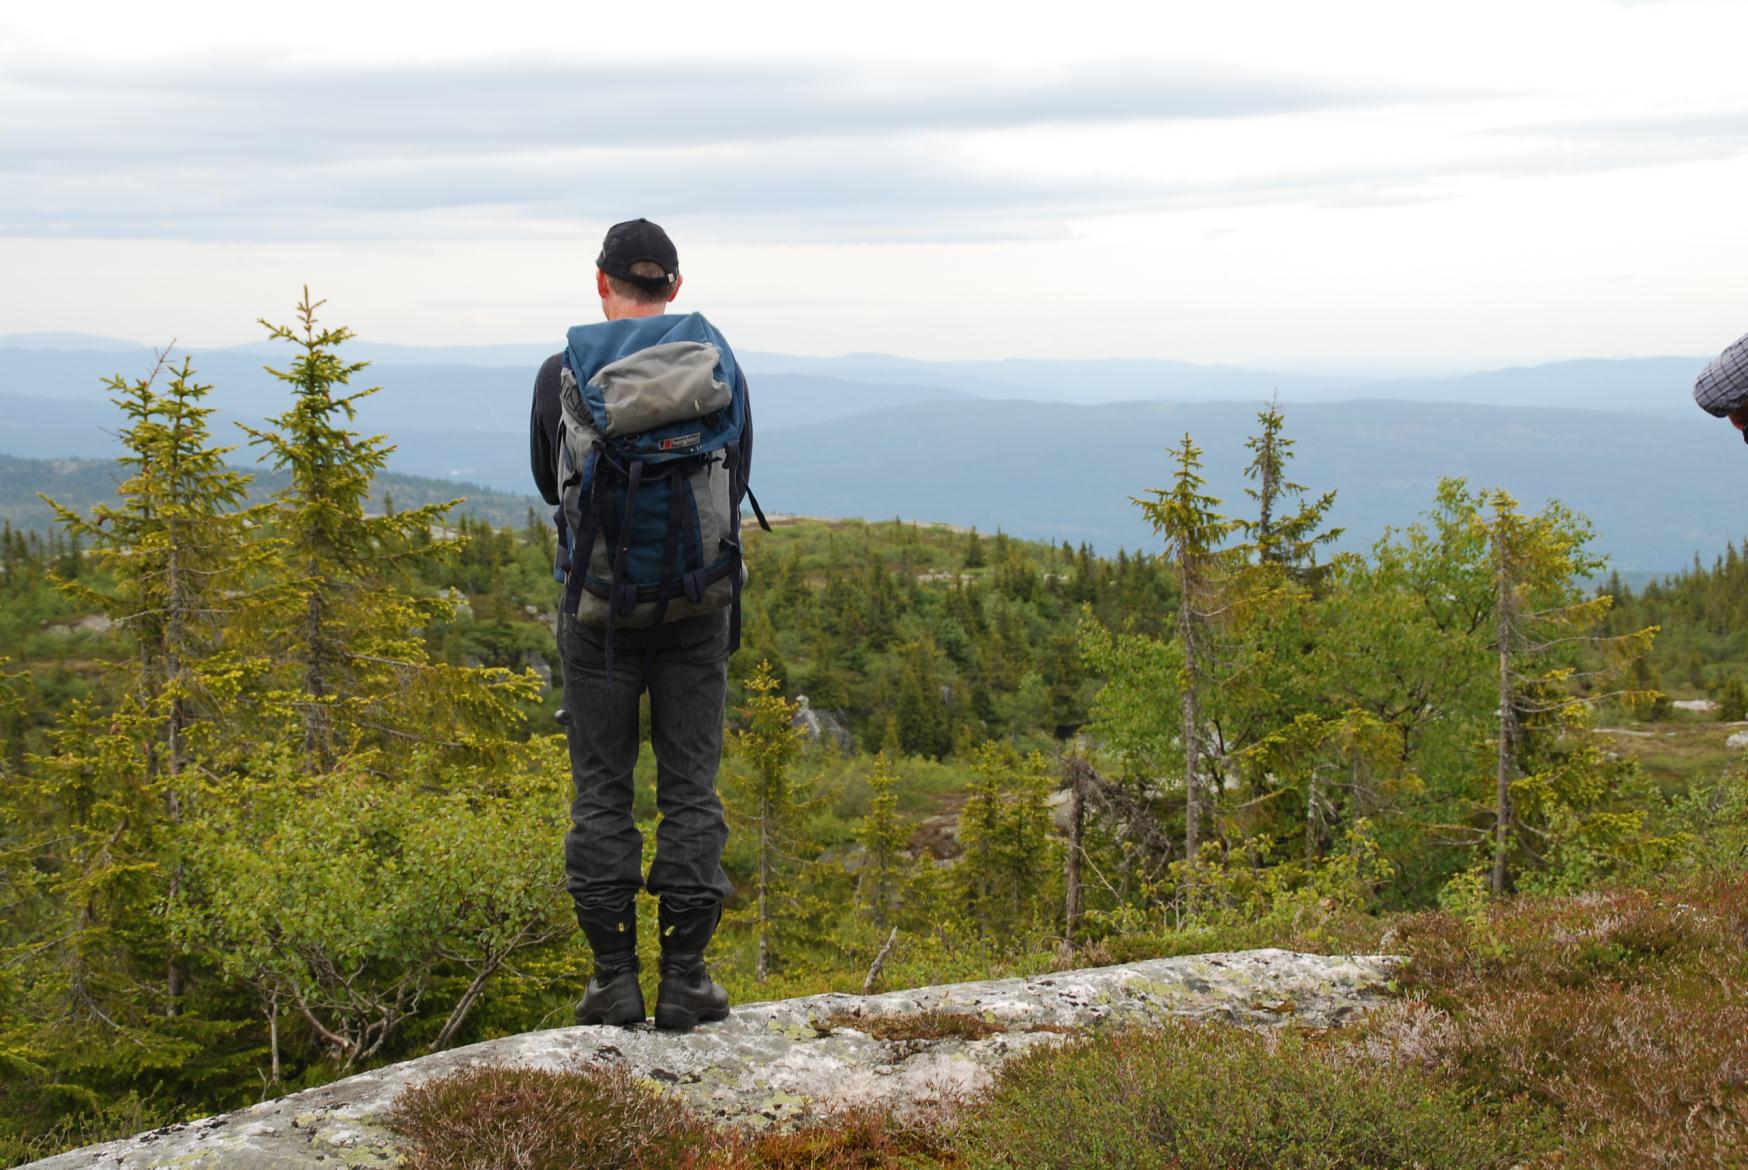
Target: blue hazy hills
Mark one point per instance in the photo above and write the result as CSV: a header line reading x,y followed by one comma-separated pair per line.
x,y
1050,449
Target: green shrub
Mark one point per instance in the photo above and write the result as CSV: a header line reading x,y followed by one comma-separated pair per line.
x,y
1192,1097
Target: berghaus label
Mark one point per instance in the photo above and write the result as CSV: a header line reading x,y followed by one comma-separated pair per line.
x,y
681,442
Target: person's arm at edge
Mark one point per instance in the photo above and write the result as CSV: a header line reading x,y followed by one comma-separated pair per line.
x,y
746,441
542,429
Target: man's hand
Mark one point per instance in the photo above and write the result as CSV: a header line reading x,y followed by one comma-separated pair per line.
x,y
1739,418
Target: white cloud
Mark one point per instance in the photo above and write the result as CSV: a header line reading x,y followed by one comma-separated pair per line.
x,y
1232,182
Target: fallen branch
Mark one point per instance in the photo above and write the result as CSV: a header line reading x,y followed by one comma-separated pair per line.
x,y
879,962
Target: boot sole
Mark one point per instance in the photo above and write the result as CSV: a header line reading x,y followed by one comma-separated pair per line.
x,y
670,1018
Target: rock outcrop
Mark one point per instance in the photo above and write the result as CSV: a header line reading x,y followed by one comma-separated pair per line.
x,y
773,1063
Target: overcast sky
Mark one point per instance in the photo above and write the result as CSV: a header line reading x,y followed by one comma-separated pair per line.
x,y
1245,182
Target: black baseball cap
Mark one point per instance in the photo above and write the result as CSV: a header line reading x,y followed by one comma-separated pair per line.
x,y
635,240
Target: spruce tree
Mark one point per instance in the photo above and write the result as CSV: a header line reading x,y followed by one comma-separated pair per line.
x,y
1007,868
1540,615
1194,530
344,612
1291,540
883,838
175,551
767,745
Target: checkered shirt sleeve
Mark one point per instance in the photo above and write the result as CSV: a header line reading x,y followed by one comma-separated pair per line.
x,y
1723,385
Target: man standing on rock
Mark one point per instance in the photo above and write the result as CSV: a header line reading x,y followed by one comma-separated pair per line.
x,y
641,438
1722,388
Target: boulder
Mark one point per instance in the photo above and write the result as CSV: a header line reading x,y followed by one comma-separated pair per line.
x,y
775,1063
821,725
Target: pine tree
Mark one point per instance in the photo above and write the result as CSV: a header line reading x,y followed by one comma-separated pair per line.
x,y
973,551
1290,541
1187,517
1732,700
344,615
179,548
768,743
175,552
925,728
883,838
1540,614
1007,868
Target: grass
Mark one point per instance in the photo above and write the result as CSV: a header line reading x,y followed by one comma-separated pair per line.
x,y
918,1026
1673,752
923,1027
1601,1030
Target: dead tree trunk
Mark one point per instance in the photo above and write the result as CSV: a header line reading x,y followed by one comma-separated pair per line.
x,y
1502,813
764,962
1073,895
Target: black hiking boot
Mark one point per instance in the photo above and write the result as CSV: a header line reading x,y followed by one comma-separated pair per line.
x,y
686,996
613,995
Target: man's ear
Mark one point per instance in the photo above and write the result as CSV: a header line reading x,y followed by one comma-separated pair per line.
x,y
601,284
675,291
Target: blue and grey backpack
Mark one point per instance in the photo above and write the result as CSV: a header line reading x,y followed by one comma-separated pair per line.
x,y
650,472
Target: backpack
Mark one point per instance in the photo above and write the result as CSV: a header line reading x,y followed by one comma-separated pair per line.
x,y
650,473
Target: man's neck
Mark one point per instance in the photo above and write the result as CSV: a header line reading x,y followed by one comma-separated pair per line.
x,y
619,310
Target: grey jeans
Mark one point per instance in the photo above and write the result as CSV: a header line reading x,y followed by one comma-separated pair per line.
x,y
687,681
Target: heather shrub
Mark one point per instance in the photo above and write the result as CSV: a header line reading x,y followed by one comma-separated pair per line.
x,y
606,1119
1642,1077
1624,1014
534,1119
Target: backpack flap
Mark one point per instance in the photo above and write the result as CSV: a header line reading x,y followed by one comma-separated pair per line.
x,y
657,388
646,399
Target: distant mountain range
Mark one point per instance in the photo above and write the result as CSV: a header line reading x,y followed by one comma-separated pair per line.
x,y
1040,448
1658,490
80,483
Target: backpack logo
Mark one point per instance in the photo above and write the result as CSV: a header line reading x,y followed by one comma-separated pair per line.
x,y
681,442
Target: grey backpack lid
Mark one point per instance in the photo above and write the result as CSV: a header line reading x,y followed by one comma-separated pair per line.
x,y
1723,384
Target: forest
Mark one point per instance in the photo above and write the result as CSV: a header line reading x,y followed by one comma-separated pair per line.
x,y
283,790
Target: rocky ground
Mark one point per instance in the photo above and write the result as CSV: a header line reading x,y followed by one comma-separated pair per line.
x,y
774,1063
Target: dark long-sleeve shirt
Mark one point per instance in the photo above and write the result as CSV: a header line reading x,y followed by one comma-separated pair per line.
x,y
543,430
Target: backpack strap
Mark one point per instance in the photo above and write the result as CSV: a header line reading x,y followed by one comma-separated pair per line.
x,y
581,548
734,577
693,582
670,547
622,594
757,511
738,489
561,557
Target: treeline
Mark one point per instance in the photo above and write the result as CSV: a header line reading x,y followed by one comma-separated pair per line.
x,y
282,794
1702,613
927,642
273,829
80,483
